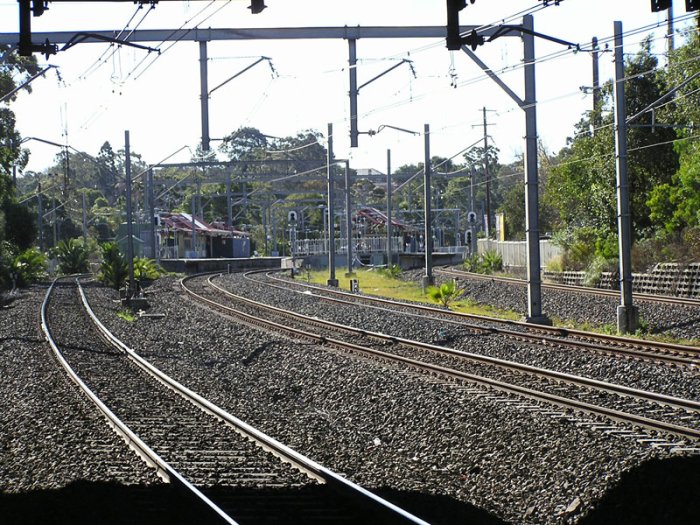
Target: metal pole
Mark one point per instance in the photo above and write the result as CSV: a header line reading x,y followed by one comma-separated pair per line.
x,y
532,229
487,177
274,231
388,209
670,29
84,221
129,226
14,162
194,226
627,314
427,231
332,281
54,218
596,85
152,214
204,94
352,63
41,217
324,213
472,225
348,215
265,211
229,222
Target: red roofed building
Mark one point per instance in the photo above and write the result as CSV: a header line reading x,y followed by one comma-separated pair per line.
x,y
181,237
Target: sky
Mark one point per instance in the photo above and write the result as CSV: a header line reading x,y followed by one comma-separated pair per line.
x,y
98,91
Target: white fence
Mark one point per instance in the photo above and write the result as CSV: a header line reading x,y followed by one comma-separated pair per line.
x,y
367,245
514,253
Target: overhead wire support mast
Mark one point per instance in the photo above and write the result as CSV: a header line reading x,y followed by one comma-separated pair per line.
x,y
355,89
29,8
202,36
205,92
82,37
529,105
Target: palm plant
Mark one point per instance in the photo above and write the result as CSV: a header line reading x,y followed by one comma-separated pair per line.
x,y
491,261
145,269
29,266
73,257
114,269
444,294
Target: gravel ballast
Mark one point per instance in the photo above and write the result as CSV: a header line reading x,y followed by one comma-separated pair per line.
x,y
59,461
452,452
388,428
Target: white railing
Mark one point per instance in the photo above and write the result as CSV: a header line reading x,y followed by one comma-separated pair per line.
x,y
514,253
365,245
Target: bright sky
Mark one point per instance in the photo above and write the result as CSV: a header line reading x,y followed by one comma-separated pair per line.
x,y
100,93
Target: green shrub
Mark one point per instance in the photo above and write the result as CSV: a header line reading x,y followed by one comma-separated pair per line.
x,y
491,261
594,271
555,264
472,263
444,294
393,271
72,256
487,263
145,269
114,269
29,266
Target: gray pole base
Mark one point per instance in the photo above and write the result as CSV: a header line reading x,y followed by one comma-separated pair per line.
x,y
627,319
332,282
426,281
538,319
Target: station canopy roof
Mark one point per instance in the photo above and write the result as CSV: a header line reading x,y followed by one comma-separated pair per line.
x,y
182,222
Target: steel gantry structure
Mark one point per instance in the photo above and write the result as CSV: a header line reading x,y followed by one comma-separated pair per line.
x,y
352,35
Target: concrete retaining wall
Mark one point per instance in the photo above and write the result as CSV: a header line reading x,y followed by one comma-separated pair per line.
x,y
665,279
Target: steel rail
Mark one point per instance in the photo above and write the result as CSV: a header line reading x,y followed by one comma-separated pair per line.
x,y
657,298
502,363
152,459
313,469
523,391
554,335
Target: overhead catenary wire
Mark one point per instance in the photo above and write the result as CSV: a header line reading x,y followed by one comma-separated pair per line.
x,y
414,97
189,30
102,59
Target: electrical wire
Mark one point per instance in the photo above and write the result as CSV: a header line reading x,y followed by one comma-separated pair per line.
x,y
176,41
464,150
102,59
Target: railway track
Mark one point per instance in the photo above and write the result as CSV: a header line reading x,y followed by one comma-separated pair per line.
x,y
658,415
651,298
228,470
631,347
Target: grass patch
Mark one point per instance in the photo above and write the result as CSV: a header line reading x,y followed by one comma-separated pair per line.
x,y
377,283
127,315
380,285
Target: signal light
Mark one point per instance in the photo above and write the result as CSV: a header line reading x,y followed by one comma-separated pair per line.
x,y
454,40
660,5
692,5
256,6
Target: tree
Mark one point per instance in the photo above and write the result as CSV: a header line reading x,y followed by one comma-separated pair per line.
x,y
14,69
244,144
20,225
675,204
106,176
582,187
